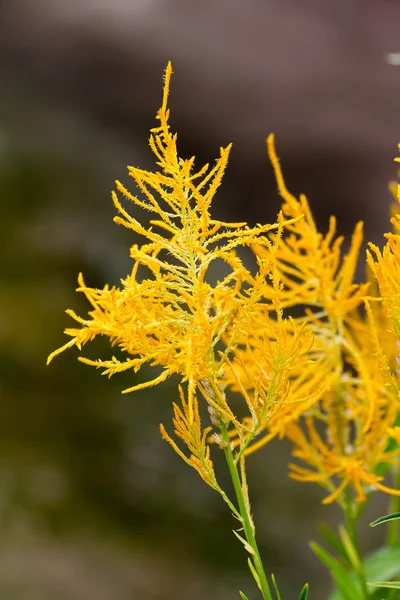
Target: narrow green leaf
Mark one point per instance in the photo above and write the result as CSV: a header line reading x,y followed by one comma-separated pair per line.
x,y
254,573
394,585
332,539
385,519
349,547
243,596
245,543
304,593
347,587
275,587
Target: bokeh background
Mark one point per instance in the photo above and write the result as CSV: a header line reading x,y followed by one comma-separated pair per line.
x,y
93,504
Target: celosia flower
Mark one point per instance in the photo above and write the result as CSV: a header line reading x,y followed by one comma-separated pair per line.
x,y
347,430
177,320
385,266
348,433
237,334
316,279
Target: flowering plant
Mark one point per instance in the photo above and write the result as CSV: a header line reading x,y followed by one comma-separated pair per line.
x,y
293,338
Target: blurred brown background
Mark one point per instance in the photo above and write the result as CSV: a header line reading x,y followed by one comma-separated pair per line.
x,y
93,505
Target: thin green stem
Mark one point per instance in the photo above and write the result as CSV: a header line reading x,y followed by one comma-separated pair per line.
x,y
351,524
246,518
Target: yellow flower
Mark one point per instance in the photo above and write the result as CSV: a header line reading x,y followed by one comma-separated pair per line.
x,y
347,424
310,354
338,448
316,282
310,264
291,338
175,319
385,266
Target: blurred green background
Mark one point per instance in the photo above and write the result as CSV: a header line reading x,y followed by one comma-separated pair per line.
x,y
93,504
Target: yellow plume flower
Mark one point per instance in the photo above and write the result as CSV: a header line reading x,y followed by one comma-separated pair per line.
x,y
175,319
385,266
291,338
347,425
347,434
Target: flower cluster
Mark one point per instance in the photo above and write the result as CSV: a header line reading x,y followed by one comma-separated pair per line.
x,y
177,320
292,338
345,436
385,266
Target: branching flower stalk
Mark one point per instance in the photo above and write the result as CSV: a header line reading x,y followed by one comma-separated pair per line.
x,y
292,337
176,319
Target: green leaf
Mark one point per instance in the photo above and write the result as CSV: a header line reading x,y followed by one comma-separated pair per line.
x,y
254,573
394,585
245,543
304,593
275,587
349,547
381,565
392,517
332,539
347,587
243,596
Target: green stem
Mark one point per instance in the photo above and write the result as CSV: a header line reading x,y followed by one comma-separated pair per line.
x,y
351,524
246,519
393,530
